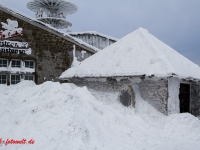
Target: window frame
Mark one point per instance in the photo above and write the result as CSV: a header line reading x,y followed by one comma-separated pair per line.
x,y
1,78
29,75
29,64
16,60
15,78
2,62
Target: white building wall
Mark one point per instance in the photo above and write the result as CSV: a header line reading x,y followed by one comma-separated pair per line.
x,y
173,95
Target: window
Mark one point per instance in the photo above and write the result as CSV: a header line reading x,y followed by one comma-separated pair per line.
x,y
16,63
29,77
127,95
125,98
15,78
29,64
3,79
3,62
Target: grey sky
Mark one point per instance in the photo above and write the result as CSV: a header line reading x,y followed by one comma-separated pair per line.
x,y
175,22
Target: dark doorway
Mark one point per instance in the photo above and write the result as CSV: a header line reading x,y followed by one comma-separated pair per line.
x,y
125,98
184,97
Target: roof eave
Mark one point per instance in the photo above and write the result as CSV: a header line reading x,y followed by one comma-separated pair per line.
x,y
189,79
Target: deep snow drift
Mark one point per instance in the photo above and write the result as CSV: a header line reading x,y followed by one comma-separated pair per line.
x,y
63,116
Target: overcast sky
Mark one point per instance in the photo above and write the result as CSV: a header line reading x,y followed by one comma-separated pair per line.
x,y
175,22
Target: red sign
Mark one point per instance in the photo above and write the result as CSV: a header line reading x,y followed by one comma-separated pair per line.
x,y
11,29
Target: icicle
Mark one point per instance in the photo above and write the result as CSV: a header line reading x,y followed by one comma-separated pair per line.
x,y
83,52
75,62
9,67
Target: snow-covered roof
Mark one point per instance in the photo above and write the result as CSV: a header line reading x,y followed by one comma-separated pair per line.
x,y
48,27
94,33
138,53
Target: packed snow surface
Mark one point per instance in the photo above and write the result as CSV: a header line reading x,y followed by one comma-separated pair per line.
x,y
138,53
64,116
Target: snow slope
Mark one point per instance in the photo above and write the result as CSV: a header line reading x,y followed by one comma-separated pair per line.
x,y
63,116
138,53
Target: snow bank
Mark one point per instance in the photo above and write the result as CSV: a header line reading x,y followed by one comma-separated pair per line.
x,y
64,116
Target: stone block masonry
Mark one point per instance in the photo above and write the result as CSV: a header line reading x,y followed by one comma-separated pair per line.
x,y
155,93
51,53
195,100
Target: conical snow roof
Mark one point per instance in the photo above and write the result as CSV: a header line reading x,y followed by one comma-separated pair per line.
x,y
138,53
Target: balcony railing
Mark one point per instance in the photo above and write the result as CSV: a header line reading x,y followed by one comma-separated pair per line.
x,y
41,14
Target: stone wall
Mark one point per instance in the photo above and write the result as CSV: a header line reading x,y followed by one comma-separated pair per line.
x,y
98,85
51,53
155,93
162,94
195,100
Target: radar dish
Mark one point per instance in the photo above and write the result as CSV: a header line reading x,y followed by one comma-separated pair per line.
x,y
59,5
52,12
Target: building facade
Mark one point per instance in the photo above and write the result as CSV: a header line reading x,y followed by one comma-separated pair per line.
x,y
141,66
168,95
94,38
32,50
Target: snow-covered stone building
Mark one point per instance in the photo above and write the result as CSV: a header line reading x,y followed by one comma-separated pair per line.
x,y
95,39
33,50
164,78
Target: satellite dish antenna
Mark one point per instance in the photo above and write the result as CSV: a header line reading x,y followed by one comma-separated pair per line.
x,y
53,12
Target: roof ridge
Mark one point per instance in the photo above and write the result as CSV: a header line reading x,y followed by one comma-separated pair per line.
x,y
136,54
158,52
